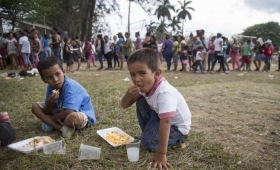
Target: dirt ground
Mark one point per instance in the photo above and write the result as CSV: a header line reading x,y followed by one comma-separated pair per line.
x,y
243,116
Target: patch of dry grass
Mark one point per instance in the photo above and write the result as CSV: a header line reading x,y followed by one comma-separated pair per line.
x,y
235,122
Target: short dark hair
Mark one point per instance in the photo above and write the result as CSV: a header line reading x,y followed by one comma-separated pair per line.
x,y
200,48
46,63
186,47
175,37
77,36
46,36
55,29
146,56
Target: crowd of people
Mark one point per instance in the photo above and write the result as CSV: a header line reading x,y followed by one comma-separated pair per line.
x,y
196,53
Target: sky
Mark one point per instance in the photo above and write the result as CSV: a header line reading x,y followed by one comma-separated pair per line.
x,y
228,17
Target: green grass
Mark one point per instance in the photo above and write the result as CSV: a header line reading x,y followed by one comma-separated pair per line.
x,y
203,151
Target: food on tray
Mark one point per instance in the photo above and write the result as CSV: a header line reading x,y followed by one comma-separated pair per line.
x,y
38,142
117,138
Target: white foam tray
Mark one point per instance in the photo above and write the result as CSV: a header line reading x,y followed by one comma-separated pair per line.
x,y
103,133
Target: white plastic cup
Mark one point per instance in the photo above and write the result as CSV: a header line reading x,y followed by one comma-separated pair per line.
x,y
133,150
57,147
87,152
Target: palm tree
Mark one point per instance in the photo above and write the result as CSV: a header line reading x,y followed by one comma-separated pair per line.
x,y
174,25
163,10
152,26
184,12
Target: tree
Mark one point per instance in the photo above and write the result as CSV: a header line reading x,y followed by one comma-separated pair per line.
x,y
152,27
18,10
184,12
163,10
175,25
269,30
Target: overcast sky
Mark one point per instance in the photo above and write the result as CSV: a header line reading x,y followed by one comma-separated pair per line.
x,y
226,16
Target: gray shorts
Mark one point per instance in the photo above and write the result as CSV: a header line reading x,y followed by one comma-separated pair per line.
x,y
175,59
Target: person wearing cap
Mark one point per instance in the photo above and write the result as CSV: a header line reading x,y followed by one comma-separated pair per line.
x,y
7,133
119,48
127,46
268,52
259,48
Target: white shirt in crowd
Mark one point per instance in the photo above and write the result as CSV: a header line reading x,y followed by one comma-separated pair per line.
x,y
217,44
159,47
167,102
107,47
198,56
206,43
93,48
25,44
11,46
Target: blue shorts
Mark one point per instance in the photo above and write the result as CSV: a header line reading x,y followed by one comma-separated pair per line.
x,y
259,57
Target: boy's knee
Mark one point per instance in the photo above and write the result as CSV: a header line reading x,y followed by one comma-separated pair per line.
x,y
34,107
73,119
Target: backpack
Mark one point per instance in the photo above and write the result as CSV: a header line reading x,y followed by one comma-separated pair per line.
x,y
24,73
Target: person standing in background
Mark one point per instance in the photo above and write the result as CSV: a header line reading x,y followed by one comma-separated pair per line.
x,y
3,63
24,50
56,46
167,51
119,49
100,50
115,54
108,52
127,46
138,42
46,46
12,45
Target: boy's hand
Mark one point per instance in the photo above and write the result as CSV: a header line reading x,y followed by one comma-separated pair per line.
x,y
54,96
160,162
133,91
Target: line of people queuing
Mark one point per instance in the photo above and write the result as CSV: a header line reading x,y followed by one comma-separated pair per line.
x,y
202,52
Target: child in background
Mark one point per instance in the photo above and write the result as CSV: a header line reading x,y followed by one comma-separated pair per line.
x,y
246,55
67,104
184,57
67,55
268,52
163,114
198,59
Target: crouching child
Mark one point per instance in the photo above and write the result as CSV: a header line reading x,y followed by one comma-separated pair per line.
x,y
163,114
67,104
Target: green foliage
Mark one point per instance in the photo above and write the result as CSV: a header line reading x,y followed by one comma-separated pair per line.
x,y
163,10
175,25
269,30
30,10
184,12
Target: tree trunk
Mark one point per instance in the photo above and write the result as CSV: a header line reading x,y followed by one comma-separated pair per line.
x,y
13,23
183,27
92,9
85,21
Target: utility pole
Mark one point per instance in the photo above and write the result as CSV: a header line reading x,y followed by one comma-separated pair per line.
x,y
129,6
